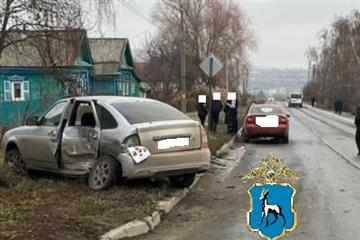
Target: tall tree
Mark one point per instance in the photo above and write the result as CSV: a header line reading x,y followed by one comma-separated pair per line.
x,y
211,26
336,63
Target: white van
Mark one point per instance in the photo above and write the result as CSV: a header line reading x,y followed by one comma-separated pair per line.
x,y
296,100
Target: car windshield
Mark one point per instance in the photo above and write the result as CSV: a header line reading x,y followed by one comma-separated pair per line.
x,y
266,109
138,112
295,95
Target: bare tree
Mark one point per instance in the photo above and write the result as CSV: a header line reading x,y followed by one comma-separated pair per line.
x,y
336,68
211,26
23,15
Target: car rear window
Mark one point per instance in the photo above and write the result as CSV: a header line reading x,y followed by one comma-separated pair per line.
x,y
266,109
138,112
296,96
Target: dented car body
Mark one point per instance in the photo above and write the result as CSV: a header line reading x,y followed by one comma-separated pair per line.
x,y
93,136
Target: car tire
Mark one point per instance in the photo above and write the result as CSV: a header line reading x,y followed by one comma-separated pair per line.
x,y
182,181
104,173
15,161
286,139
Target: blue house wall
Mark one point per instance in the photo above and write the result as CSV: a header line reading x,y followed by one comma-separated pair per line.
x,y
43,90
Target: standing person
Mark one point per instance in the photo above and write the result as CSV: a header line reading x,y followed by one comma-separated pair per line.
x,y
216,107
340,106
357,135
231,116
336,105
312,101
228,117
202,112
235,117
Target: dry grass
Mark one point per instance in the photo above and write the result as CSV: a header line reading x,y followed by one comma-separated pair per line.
x,y
50,207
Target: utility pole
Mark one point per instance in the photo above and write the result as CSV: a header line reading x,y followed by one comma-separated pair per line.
x,y
182,61
237,75
226,71
210,95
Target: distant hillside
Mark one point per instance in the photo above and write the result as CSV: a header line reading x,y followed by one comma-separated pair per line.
x,y
276,81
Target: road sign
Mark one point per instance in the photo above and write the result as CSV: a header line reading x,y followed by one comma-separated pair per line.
x,y
211,66
216,65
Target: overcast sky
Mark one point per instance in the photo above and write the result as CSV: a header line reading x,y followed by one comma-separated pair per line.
x,y
284,28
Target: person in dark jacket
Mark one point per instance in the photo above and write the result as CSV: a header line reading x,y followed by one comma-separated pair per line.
x,y
357,134
312,101
231,116
340,106
336,105
202,112
216,108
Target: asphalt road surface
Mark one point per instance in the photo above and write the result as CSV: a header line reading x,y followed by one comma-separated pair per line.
x,y
321,150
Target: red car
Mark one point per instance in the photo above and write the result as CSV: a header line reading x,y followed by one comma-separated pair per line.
x,y
266,120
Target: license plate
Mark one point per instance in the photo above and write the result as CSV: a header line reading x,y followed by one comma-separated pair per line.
x,y
267,121
172,142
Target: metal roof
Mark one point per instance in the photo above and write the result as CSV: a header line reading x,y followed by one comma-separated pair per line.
x,y
107,54
61,48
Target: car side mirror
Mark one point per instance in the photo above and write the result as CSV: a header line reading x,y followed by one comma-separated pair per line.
x,y
32,121
288,115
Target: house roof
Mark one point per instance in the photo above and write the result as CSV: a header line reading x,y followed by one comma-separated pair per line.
x,y
108,54
107,49
61,48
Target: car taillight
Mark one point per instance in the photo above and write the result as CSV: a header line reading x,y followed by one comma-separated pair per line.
x,y
130,141
282,120
250,119
204,138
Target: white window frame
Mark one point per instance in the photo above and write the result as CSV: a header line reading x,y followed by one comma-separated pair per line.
x,y
9,93
12,90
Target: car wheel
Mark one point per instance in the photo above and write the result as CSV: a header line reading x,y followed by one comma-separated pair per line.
x,y
15,161
286,139
182,181
103,174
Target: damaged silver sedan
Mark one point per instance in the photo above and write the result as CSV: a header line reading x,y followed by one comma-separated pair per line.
x,y
107,138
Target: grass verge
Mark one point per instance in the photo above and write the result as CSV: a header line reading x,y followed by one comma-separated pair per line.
x,y
52,208
221,137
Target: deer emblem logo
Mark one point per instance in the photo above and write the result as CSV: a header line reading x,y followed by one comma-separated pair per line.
x,y
272,212
269,208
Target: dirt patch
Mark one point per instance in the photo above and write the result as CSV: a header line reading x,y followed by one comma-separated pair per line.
x,y
52,208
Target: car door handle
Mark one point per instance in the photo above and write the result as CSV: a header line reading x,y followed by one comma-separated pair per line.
x,y
52,133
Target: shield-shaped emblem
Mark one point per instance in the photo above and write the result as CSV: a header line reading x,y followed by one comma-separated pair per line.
x,y
272,212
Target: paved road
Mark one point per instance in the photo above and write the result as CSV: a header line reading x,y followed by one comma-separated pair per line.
x,y
321,150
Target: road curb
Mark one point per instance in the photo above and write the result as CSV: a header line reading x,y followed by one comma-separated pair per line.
x,y
227,146
139,227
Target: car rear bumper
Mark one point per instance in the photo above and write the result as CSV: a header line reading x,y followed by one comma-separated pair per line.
x,y
295,104
256,131
174,163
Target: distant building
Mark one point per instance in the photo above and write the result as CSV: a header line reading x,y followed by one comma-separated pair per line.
x,y
114,72
36,72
